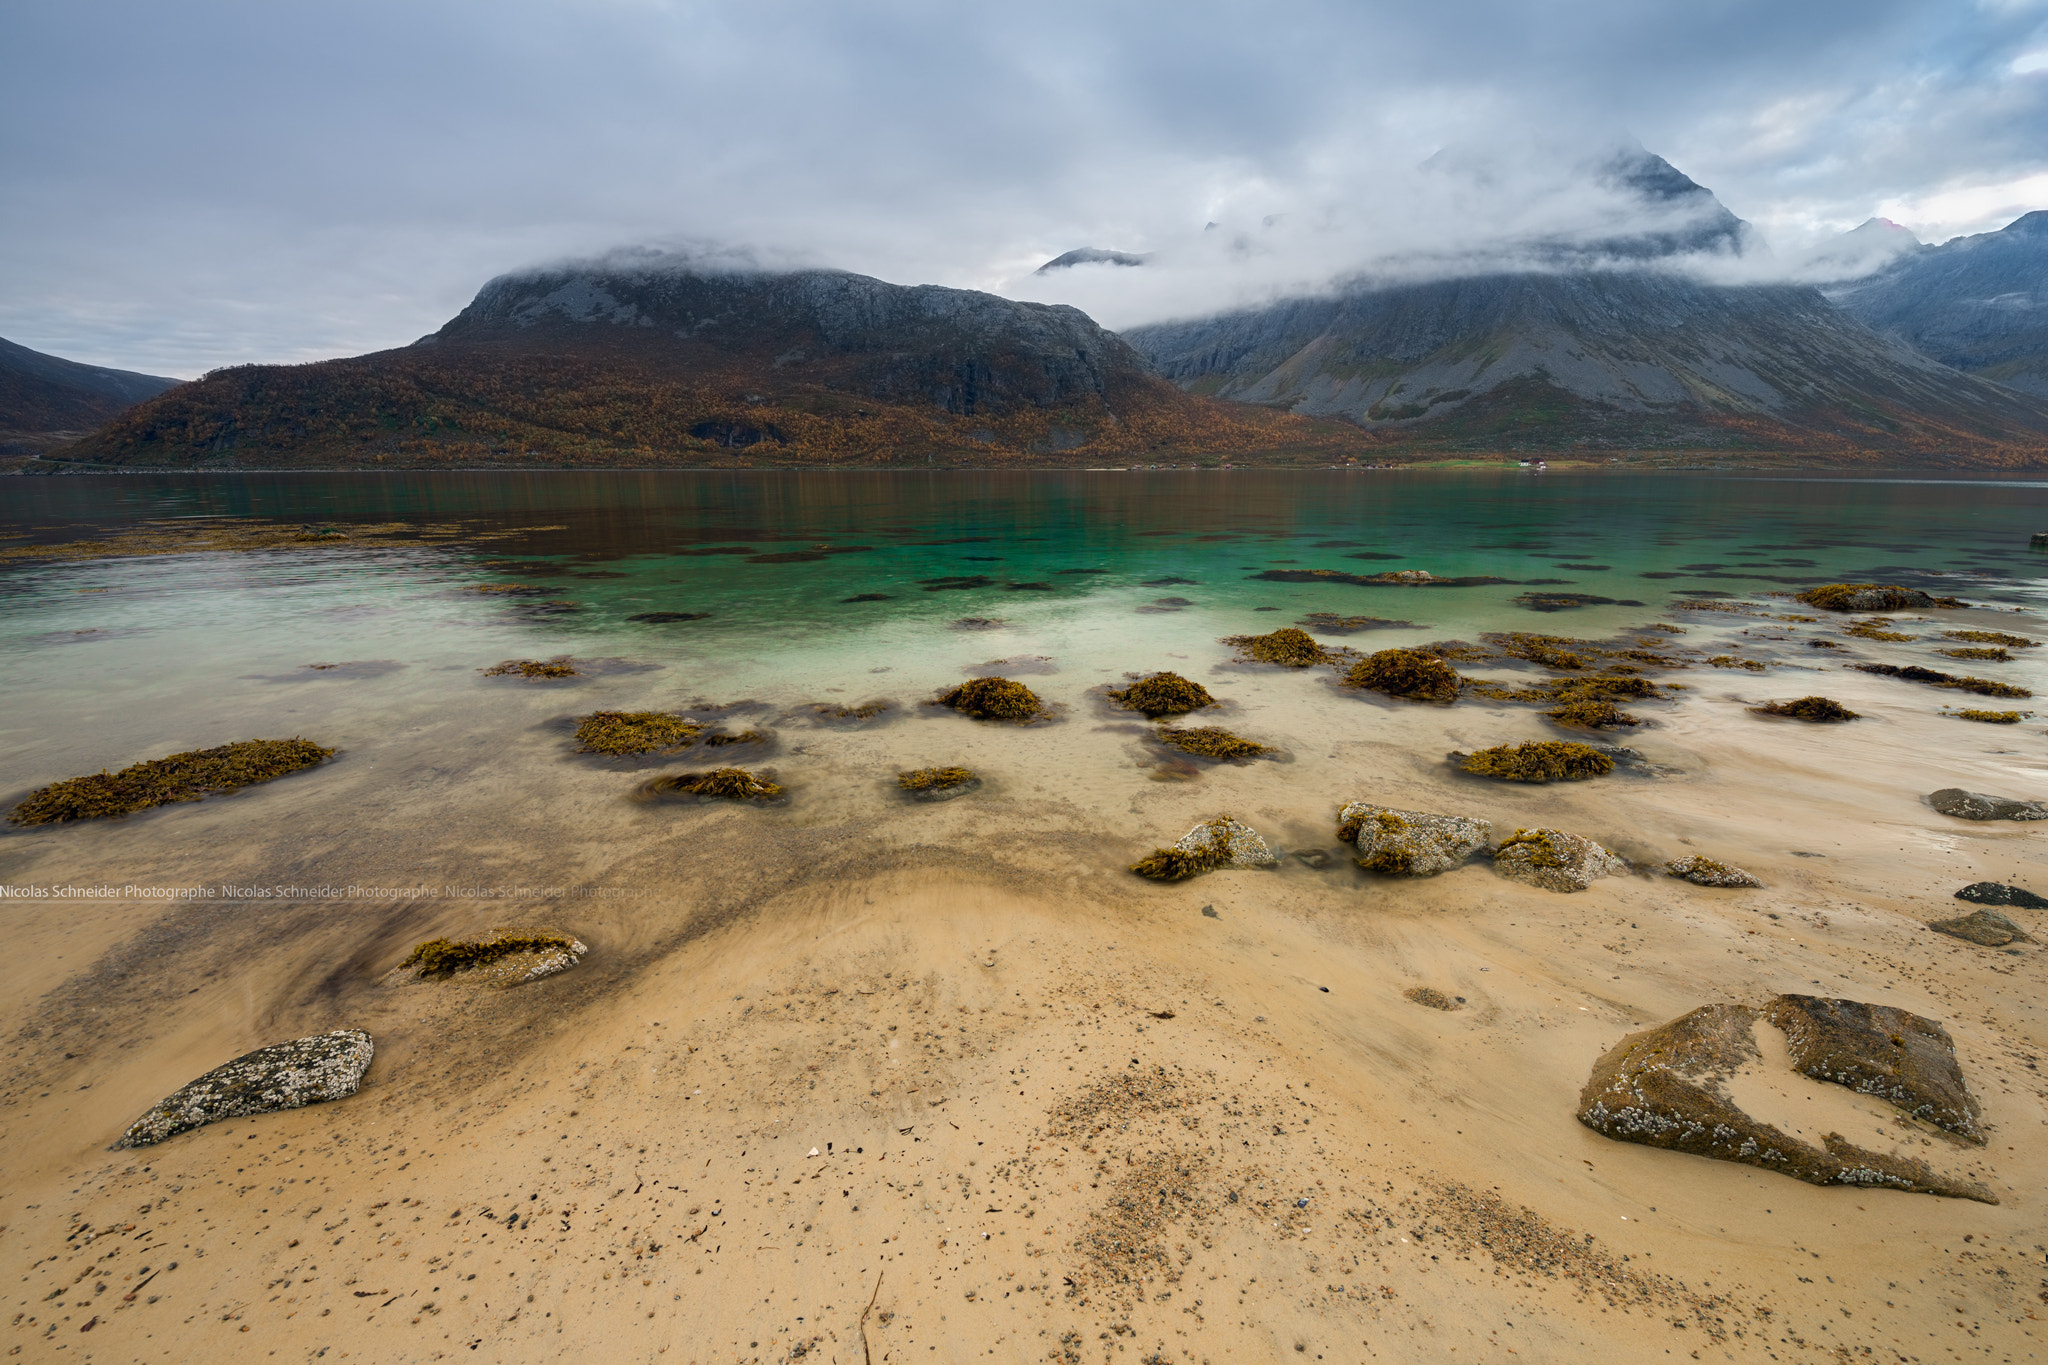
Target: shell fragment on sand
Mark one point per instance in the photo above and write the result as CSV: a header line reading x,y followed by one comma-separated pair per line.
x,y
325,1066
1703,871
1666,1087
1980,806
1554,860
1410,843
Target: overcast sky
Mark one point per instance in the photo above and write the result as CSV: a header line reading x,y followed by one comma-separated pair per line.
x,y
192,184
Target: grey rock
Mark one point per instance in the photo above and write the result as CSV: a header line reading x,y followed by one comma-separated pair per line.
x,y
1898,1056
1979,806
1238,844
1554,860
1666,1087
1702,871
1412,843
1997,893
326,1066
1987,928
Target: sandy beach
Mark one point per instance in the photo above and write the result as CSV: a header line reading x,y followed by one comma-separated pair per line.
x,y
859,1079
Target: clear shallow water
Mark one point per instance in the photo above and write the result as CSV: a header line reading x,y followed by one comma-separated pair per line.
x,y
1085,575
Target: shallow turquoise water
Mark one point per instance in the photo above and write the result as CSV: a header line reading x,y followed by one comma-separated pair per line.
x,y
1080,574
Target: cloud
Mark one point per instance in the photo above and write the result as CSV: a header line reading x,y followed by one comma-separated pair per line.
x,y
227,180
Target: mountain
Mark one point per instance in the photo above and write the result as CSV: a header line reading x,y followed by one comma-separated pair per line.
x,y
1091,255
1602,339
41,394
1978,303
654,358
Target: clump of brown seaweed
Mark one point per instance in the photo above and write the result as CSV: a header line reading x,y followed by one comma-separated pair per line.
x,y
1990,717
1163,694
1820,710
1288,647
934,781
1990,654
1875,628
162,781
1983,687
993,699
1990,637
1541,760
1209,741
1406,673
634,732
725,784
561,666
1592,715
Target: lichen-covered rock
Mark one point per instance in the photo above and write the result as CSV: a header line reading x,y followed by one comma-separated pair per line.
x,y
1702,871
1986,928
326,1066
1666,1087
1880,1050
1554,860
1978,806
1410,843
1998,893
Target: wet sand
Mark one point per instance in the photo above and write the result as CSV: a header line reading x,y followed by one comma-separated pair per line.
x,y
1058,1113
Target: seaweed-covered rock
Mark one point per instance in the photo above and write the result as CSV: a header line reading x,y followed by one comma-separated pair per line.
x,y
1817,710
1666,1087
623,733
1410,843
1986,928
1405,673
1554,860
1210,741
163,781
1880,1050
1287,646
937,784
1871,597
1998,893
993,699
1221,842
1978,806
1163,694
325,1066
1539,760
1702,871
504,957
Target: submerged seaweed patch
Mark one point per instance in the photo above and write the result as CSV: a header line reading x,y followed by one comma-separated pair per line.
x,y
1330,623
443,956
1592,715
1990,654
1209,741
1541,760
561,666
1990,717
923,780
728,784
1162,694
162,781
1983,687
1990,637
634,732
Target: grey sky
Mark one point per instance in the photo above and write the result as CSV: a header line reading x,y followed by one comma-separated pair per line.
x,y
203,183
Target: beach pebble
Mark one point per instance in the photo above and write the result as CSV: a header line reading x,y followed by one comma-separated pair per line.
x,y
1978,806
1554,860
1412,843
1701,871
326,1066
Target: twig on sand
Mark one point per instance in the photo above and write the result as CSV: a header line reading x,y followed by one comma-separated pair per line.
x,y
866,1356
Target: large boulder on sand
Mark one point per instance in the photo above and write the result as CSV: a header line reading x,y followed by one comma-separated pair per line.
x,y
1410,843
1986,928
1554,860
1701,871
1903,1059
1979,806
326,1066
1666,1087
